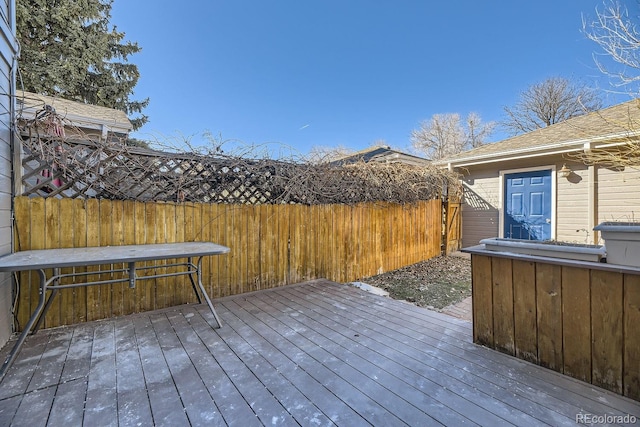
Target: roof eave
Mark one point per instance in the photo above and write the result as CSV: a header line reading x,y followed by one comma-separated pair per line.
x,y
88,122
536,151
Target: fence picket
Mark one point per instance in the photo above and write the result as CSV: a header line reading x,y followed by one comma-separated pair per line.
x,y
94,302
139,233
52,240
65,240
23,241
79,240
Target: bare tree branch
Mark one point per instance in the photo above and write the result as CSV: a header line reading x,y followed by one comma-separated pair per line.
x,y
616,32
618,36
445,134
477,132
623,150
81,166
551,101
323,154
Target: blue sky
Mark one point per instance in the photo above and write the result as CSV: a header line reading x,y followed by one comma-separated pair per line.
x,y
304,73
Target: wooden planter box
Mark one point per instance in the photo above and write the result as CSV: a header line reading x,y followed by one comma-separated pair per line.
x,y
578,318
622,240
548,249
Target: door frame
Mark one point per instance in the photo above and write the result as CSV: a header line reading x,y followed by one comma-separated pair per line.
x,y
501,195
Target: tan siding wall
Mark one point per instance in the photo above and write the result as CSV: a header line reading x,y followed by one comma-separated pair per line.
x,y
480,207
6,76
572,222
619,195
480,217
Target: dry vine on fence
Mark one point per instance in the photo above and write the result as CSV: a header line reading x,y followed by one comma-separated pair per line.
x,y
84,166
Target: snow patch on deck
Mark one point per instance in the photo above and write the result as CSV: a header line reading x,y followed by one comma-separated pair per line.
x,y
369,288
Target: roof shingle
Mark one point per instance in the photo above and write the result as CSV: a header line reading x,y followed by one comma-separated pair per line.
x,y
612,124
79,114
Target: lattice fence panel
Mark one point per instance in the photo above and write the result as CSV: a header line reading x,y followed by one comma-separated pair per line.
x,y
61,167
84,169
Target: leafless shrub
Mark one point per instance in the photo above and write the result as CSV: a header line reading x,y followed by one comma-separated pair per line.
x,y
84,166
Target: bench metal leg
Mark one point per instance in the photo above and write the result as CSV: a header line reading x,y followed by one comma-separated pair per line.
x,y
206,296
193,282
27,328
54,292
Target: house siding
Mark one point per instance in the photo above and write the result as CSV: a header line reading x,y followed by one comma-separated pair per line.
x,y
589,195
7,54
482,200
480,207
572,205
616,198
619,195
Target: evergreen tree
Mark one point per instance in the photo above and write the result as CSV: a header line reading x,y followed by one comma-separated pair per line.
x,y
69,49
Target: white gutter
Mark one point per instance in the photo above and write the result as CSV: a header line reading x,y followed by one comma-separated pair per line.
x,y
507,156
557,148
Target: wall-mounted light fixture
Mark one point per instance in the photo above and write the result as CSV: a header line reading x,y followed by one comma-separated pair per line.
x,y
565,171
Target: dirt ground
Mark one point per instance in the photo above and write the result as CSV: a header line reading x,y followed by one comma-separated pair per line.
x,y
435,283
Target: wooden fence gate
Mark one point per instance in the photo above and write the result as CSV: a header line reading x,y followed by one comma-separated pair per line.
x,y
452,230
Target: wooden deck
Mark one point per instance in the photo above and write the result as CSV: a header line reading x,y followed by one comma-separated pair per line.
x,y
319,353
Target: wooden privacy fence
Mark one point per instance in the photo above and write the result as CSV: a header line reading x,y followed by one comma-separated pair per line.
x,y
271,245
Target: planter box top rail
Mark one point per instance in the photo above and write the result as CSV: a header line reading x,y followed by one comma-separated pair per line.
x,y
622,240
547,249
482,250
621,227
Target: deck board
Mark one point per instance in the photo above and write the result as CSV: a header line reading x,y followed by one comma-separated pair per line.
x,y
34,408
261,401
287,395
18,378
51,363
133,400
452,394
8,408
164,399
316,362
78,361
68,405
290,361
101,406
318,353
454,348
455,355
346,350
199,406
221,388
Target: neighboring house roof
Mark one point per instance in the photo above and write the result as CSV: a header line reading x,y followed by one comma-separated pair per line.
x,y
77,114
594,130
381,153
